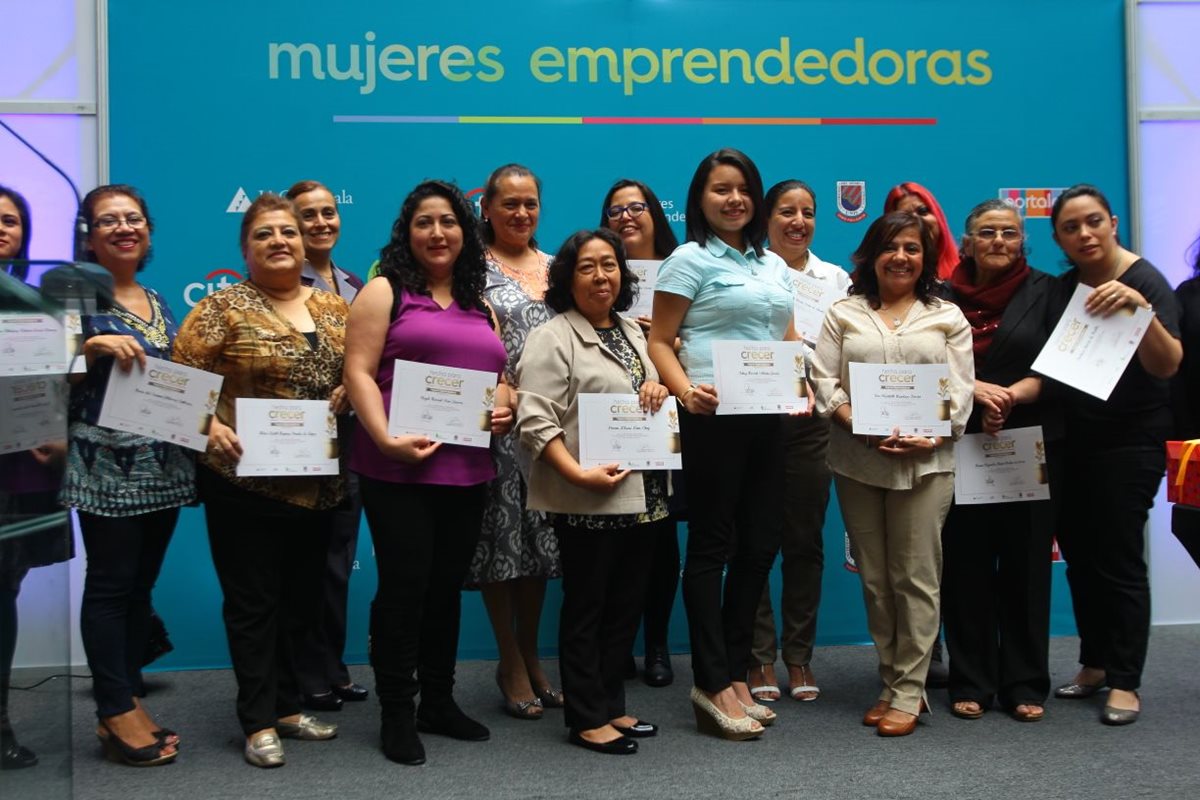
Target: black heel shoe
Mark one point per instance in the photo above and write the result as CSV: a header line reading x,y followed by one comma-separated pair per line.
x,y
12,754
118,750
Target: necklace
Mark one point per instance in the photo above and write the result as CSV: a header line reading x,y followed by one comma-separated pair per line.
x,y
897,317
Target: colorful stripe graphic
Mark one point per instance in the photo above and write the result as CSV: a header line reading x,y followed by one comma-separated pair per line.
x,y
487,120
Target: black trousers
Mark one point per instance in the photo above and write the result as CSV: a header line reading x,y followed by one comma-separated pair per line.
x,y
1101,532
318,649
604,587
734,471
270,559
996,601
661,585
424,537
124,556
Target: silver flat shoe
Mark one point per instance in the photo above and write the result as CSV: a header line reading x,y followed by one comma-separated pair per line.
x,y
309,728
264,750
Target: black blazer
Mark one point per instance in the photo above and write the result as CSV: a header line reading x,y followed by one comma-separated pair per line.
x,y
1024,328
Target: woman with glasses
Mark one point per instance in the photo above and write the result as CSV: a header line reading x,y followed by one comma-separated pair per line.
x,y
996,569
517,550
127,488
633,212
1114,456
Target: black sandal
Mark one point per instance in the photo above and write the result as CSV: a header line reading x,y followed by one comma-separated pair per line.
x,y
118,750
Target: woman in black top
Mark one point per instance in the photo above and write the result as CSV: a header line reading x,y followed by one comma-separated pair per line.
x,y
1114,457
996,569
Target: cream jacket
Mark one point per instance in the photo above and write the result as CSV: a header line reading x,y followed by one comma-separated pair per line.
x,y
562,359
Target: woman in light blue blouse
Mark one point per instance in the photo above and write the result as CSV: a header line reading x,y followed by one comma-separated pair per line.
x,y
723,285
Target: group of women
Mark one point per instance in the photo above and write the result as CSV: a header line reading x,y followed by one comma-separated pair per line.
x,y
462,292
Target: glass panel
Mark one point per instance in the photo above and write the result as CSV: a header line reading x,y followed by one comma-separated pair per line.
x,y
1168,59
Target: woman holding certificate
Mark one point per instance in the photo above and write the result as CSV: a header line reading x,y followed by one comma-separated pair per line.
x,y
424,499
632,210
996,576
1114,456
127,488
895,489
273,339
608,519
517,550
791,223
722,285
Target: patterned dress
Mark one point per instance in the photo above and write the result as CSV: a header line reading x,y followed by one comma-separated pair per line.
x,y
514,542
112,473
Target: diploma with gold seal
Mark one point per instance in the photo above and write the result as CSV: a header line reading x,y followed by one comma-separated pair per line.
x,y
1009,467
760,377
912,397
286,437
446,404
166,401
613,429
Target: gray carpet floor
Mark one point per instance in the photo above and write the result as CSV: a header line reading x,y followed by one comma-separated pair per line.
x,y
816,750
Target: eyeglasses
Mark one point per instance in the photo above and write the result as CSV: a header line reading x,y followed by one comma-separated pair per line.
x,y
634,209
109,222
988,234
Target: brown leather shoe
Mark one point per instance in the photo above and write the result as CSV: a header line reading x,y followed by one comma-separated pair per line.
x,y
875,713
896,723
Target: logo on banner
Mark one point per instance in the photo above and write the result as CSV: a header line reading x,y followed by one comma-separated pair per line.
x,y
1031,203
214,281
852,201
475,198
239,203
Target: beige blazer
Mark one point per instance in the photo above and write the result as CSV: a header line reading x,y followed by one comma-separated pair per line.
x,y
562,359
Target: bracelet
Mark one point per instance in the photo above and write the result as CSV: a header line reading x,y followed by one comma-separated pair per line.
x,y
683,397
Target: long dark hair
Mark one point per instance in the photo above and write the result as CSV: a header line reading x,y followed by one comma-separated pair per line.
x,y
87,210
492,186
20,271
698,229
403,271
883,230
664,237
562,271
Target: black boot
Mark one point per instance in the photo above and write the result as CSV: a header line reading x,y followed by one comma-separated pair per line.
x,y
445,718
398,736
657,665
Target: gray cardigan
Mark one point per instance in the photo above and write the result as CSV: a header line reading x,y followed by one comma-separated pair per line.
x,y
562,359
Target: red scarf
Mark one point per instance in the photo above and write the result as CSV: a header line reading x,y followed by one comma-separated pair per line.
x,y
984,305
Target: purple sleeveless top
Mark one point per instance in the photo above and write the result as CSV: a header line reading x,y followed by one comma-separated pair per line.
x,y
425,332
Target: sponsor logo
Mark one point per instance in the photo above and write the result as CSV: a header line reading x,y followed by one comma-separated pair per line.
x,y
241,199
214,281
852,201
1031,203
475,197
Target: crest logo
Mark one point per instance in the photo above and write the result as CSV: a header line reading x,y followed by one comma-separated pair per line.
x,y
852,201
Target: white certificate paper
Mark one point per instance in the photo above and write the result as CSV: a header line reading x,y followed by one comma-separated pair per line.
x,y
760,377
813,297
32,344
33,411
165,401
1007,468
647,274
1090,352
286,437
613,429
446,404
912,397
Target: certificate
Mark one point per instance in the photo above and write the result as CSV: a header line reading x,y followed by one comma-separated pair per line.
x,y
813,297
912,397
1007,468
647,275
164,401
286,437
613,429
760,377
32,344
1090,352
33,411
446,404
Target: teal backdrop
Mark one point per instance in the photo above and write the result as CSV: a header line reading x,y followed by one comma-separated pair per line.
x,y
211,106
